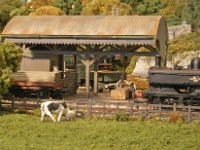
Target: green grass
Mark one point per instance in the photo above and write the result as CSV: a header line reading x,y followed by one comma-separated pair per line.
x,y
26,132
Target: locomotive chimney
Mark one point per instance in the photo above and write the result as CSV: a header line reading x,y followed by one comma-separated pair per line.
x,y
158,61
195,63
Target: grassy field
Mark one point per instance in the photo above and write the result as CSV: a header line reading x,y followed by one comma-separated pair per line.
x,y
26,132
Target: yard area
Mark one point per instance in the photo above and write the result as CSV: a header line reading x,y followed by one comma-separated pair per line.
x,y
26,132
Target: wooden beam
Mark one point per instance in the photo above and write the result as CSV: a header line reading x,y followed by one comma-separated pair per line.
x,y
125,53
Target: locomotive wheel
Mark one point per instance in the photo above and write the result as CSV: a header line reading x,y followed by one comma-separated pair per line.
x,y
155,100
168,101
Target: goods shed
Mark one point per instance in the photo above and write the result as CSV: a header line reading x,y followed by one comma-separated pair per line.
x,y
45,39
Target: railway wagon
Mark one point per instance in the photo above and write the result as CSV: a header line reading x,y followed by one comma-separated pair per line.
x,y
44,84
37,84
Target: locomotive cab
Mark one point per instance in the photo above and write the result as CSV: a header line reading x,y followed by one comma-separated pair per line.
x,y
178,84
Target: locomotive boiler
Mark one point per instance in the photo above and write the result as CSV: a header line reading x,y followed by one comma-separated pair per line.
x,y
174,85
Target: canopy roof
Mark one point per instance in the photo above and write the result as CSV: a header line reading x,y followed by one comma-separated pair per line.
x,y
88,30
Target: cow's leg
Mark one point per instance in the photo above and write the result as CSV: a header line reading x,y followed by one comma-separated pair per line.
x,y
42,115
60,115
51,116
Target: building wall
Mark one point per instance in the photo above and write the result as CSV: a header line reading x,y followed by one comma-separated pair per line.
x,y
34,62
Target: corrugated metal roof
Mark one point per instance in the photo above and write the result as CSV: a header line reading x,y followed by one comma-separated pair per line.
x,y
115,30
83,25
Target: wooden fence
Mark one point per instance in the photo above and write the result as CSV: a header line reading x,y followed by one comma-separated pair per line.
x,y
109,108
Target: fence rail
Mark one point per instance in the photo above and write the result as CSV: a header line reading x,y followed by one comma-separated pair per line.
x,y
110,107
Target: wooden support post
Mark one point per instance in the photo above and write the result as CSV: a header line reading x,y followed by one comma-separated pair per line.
x,y
96,64
75,62
87,62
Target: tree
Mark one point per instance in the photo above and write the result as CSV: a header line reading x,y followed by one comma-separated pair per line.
x,y
184,43
35,4
149,7
132,3
173,11
193,15
22,11
104,7
70,7
10,58
47,10
6,6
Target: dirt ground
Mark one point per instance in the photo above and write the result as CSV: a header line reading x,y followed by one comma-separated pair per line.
x,y
81,94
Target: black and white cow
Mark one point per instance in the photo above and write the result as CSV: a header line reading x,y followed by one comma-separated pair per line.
x,y
48,107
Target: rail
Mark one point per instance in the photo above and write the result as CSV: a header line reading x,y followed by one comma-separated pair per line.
x,y
105,108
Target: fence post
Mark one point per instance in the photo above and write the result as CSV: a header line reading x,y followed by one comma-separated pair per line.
x,y
174,107
13,102
90,106
0,101
131,108
146,110
77,102
137,109
160,110
25,103
117,107
189,113
37,102
104,109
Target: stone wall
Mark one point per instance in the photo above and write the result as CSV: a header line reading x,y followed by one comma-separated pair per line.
x,y
175,31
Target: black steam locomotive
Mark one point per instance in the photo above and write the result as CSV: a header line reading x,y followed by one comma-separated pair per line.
x,y
174,85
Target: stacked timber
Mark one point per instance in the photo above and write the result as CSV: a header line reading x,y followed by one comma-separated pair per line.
x,y
71,81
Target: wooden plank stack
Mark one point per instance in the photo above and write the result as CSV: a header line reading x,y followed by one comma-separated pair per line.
x,y
36,76
71,81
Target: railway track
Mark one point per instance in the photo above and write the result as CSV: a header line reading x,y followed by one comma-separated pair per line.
x,y
109,108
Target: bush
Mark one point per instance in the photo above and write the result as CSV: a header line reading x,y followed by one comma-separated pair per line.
x,y
36,112
121,116
175,117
